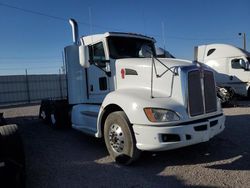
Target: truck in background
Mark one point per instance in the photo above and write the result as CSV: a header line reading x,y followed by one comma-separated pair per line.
x,y
162,53
118,90
230,65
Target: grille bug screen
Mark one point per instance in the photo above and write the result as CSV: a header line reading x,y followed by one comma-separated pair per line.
x,y
209,92
195,98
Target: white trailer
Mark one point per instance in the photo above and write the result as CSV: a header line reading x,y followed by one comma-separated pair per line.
x,y
119,91
230,65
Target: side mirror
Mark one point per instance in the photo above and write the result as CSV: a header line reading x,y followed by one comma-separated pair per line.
x,y
84,56
196,53
244,65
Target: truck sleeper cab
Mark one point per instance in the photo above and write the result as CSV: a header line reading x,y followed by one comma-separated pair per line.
x,y
119,91
230,64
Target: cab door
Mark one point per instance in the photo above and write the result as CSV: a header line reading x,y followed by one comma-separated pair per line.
x,y
97,74
239,74
238,70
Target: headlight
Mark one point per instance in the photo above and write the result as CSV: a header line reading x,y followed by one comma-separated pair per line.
x,y
160,115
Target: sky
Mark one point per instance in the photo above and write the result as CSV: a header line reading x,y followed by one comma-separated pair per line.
x,y
33,33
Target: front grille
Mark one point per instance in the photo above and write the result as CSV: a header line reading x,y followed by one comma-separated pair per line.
x,y
201,92
210,92
195,94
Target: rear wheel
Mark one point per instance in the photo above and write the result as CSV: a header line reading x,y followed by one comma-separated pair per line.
x,y
2,120
56,113
53,121
44,112
60,115
119,138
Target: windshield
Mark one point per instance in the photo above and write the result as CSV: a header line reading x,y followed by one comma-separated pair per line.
x,y
128,47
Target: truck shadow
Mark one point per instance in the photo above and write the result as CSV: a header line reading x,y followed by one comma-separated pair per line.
x,y
68,158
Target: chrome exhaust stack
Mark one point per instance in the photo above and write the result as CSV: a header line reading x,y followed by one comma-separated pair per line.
x,y
74,27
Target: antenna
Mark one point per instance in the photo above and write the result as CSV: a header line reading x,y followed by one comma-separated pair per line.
x,y
163,36
63,65
90,21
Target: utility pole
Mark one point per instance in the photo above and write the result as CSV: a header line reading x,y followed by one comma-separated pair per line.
x,y
27,85
244,40
63,65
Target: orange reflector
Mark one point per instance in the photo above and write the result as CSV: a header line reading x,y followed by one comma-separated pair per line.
x,y
150,115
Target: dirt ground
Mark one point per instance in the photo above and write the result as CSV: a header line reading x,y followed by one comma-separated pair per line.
x,y
67,158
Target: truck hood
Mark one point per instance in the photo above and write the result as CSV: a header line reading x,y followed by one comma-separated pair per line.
x,y
137,73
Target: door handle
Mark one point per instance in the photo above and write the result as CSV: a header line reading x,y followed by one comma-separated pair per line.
x,y
91,88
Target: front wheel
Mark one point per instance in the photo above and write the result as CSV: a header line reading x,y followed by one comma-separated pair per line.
x,y
119,138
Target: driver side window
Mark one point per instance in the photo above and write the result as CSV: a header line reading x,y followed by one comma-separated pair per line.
x,y
96,52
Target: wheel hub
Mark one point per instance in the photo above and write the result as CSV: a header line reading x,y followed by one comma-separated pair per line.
x,y
53,119
116,138
43,115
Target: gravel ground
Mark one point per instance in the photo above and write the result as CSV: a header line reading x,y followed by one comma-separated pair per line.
x,y
67,158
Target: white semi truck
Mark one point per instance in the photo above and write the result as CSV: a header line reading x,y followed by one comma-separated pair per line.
x,y
119,91
230,65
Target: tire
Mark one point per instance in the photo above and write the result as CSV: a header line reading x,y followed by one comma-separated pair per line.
x,y
55,113
11,174
119,138
45,110
12,156
59,116
2,120
248,93
53,121
11,144
47,113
